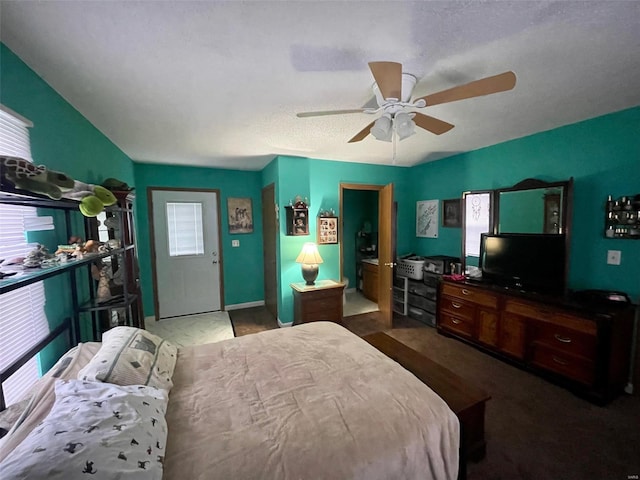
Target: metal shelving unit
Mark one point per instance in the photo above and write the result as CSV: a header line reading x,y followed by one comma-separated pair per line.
x,y
123,257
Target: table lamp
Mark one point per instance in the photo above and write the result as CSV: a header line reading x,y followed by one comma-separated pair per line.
x,y
309,258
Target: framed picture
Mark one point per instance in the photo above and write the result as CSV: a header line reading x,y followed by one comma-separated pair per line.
x,y
451,213
327,230
240,215
427,219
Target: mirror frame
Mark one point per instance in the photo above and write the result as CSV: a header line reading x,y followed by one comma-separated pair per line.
x,y
567,210
527,184
534,184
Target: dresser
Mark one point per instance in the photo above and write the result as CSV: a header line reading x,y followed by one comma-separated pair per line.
x,y
322,301
584,347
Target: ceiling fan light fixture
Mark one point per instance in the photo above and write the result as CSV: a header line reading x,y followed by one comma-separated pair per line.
x,y
404,125
383,129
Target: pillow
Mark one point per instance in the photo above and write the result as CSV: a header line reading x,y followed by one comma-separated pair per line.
x,y
42,394
105,430
131,356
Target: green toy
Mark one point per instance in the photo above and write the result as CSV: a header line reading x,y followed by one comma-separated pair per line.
x,y
25,175
35,178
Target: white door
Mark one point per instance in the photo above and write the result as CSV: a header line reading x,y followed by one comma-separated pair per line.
x,y
185,225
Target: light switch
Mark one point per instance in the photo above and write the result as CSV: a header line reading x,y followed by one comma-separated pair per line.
x,y
235,243
613,257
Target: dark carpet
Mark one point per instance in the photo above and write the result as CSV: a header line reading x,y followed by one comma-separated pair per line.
x,y
535,430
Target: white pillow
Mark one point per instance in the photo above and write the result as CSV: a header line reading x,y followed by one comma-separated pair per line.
x,y
101,429
131,356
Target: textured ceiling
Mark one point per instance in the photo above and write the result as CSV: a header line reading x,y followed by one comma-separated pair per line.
x,y
219,83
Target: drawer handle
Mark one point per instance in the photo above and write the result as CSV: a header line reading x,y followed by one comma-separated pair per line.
x,y
456,305
456,321
560,361
465,291
562,339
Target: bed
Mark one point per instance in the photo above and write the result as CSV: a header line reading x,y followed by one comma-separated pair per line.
x,y
311,401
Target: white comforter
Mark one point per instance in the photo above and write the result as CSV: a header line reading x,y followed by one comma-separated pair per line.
x,y
309,402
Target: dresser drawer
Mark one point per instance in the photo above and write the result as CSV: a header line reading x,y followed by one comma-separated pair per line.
x,y
551,315
470,294
457,307
565,339
456,324
570,366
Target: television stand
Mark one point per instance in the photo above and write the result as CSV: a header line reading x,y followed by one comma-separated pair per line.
x,y
583,348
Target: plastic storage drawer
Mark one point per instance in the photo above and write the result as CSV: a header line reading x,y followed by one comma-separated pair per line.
x,y
423,290
421,302
422,315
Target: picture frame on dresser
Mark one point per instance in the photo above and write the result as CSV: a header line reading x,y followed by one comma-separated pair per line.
x,y
327,232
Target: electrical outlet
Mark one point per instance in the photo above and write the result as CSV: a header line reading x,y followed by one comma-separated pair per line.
x,y
613,257
235,243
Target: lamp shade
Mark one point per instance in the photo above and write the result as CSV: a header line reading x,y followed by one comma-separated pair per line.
x,y
382,128
309,254
405,127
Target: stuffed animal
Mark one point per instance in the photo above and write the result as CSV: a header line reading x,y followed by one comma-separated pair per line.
x,y
93,198
35,178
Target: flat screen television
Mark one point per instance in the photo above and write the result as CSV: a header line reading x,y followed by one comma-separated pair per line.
x,y
527,261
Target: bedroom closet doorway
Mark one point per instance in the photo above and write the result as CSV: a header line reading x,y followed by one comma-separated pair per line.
x,y
186,256
383,246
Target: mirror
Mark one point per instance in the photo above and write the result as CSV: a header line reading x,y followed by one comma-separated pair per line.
x,y
533,206
530,206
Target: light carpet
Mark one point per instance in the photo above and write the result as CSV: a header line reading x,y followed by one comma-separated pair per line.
x,y
192,329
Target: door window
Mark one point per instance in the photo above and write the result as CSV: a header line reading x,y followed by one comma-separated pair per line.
x,y
185,232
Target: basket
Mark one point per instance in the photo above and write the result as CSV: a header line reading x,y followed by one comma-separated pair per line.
x,y
411,267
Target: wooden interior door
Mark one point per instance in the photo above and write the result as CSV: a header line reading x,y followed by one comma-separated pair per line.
x,y
386,249
269,231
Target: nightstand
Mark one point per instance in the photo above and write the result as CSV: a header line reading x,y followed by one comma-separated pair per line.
x,y
322,301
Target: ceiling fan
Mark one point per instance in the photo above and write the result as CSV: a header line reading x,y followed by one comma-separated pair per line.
x,y
393,89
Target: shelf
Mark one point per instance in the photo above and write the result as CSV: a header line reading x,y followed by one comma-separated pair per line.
x,y
33,275
117,302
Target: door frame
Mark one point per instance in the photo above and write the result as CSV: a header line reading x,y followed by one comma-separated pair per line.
x,y
270,220
382,216
152,241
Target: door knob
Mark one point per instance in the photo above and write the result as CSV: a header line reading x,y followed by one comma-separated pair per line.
x,y
391,264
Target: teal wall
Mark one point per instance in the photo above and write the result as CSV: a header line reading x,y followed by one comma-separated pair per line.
x,y
319,180
61,139
603,157
242,266
359,206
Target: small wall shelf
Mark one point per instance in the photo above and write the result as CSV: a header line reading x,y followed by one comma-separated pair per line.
x,y
297,220
622,217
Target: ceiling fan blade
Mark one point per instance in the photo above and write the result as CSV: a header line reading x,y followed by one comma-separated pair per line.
x,y
388,76
432,124
485,86
362,133
329,112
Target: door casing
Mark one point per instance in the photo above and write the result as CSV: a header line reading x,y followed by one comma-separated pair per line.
x,y
154,272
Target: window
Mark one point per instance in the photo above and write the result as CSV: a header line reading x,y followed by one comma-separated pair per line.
x,y
477,221
184,224
23,322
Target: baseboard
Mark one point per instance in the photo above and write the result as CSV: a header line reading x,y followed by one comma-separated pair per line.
x,y
238,306
284,324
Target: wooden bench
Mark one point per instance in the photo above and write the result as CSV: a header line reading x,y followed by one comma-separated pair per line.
x,y
465,400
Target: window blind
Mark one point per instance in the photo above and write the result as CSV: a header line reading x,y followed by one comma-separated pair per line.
x,y
22,321
185,231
